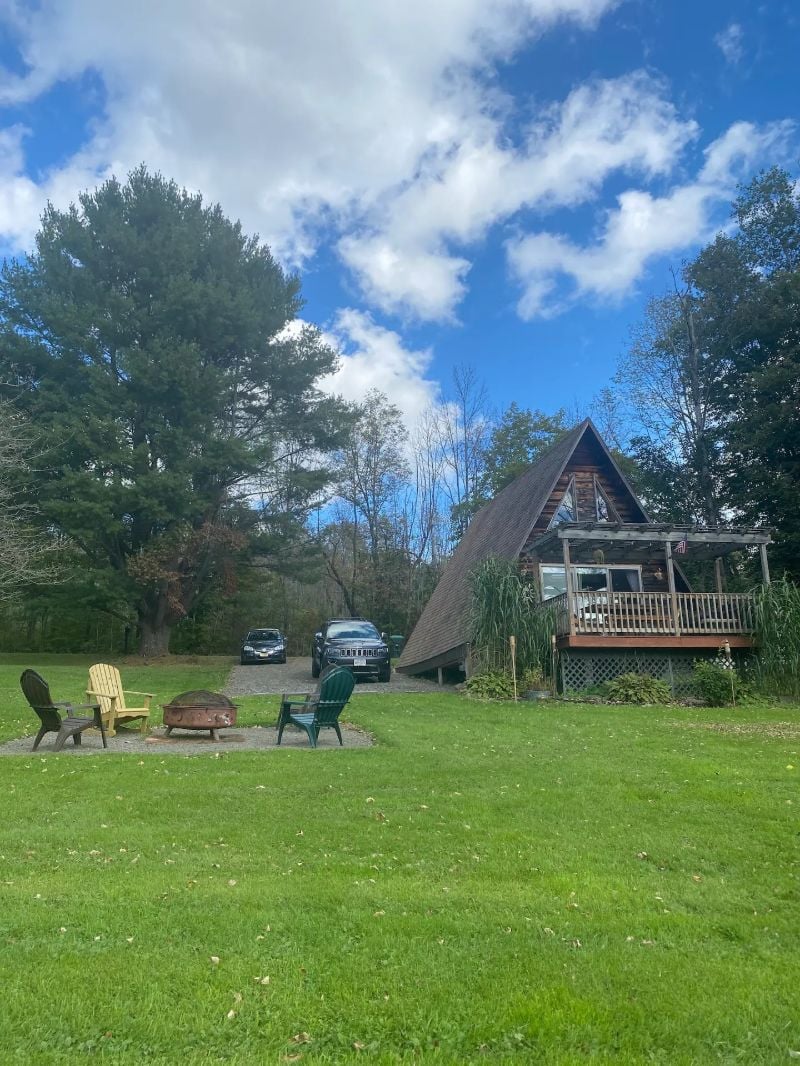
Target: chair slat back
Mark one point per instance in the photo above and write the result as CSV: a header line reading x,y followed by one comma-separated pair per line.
x,y
37,692
334,692
104,678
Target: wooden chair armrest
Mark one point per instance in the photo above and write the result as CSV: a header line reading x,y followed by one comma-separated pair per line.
x,y
295,697
133,692
105,695
80,707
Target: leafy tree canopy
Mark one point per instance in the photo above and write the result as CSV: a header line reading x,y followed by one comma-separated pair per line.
x,y
518,439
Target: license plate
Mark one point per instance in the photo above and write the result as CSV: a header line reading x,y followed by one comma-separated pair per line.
x,y
359,662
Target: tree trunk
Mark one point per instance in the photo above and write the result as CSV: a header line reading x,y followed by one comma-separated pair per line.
x,y
154,638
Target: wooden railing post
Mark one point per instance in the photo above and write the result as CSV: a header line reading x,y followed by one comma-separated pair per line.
x,y
568,582
671,583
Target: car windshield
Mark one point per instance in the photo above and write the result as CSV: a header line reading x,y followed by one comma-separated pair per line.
x,y
263,634
352,631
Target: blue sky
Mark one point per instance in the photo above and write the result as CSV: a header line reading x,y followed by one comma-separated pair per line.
x,y
500,183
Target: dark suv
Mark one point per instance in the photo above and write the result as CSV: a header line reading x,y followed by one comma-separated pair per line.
x,y
263,646
351,642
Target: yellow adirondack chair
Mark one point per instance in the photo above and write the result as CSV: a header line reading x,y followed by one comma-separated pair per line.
x,y
105,688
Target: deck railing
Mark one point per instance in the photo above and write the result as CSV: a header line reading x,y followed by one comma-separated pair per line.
x,y
613,613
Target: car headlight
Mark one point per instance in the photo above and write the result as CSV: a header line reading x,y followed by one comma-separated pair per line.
x,y
279,647
248,647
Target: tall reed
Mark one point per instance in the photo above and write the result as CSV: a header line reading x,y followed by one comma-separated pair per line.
x,y
504,604
776,666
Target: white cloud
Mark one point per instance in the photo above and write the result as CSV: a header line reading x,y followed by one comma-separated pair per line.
x,y
405,261
288,115
375,358
730,42
554,270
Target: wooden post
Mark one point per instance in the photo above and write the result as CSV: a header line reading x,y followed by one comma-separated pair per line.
x,y
568,579
512,642
440,675
671,583
468,662
718,575
764,564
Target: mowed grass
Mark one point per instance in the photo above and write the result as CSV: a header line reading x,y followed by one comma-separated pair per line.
x,y
551,884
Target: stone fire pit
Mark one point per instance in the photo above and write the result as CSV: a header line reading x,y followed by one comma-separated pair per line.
x,y
200,710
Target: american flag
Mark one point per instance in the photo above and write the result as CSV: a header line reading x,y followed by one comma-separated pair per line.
x,y
682,546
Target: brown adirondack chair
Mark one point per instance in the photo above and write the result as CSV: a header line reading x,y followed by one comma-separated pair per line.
x,y
105,686
37,693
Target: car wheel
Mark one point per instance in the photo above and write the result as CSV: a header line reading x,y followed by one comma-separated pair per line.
x,y
314,668
243,661
283,660
385,673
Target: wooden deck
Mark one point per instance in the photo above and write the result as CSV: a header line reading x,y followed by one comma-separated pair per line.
x,y
699,619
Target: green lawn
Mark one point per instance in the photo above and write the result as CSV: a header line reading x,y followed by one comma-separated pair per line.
x,y
548,884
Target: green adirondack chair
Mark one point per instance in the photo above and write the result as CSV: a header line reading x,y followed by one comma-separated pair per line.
x,y
321,709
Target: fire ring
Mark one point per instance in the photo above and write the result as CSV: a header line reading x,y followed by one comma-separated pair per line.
x,y
200,710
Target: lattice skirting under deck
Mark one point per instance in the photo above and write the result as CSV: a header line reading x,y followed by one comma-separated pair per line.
x,y
583,668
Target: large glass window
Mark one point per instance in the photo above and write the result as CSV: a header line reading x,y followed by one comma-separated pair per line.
x,y
604,509
566,510
554,582
590,579
626,580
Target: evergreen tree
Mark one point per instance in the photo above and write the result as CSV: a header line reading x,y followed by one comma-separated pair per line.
x,y
146,338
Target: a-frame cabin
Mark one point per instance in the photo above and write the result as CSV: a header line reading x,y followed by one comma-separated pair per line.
x,y
620,600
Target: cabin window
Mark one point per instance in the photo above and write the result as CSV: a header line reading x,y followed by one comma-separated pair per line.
x,y
590,579
626,579
604,509
566,510
554,583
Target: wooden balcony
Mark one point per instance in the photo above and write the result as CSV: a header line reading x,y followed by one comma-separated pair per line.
x,y
699,619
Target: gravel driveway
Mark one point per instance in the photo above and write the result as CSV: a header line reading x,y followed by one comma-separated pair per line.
x,y
295,676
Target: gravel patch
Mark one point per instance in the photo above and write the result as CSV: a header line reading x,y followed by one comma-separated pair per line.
x,y
272,679
254,738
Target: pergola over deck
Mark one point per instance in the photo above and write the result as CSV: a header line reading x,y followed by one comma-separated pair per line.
x,y
648,618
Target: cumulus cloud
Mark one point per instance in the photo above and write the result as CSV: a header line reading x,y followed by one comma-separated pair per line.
x,y
554,270
373,357
405,261
381,129
292,117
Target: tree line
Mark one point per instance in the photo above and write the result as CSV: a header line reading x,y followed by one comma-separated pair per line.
x,y
171,470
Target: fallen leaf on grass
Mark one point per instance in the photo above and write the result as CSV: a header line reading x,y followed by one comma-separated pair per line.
x,y
301,1038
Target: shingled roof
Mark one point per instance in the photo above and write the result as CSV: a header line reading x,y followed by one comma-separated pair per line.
x,y
499,529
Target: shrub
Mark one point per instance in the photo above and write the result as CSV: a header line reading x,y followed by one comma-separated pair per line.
x,y
636,688
532,678
492,685
716,683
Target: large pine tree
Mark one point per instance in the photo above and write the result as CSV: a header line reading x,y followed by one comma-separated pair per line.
x,y
146,339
